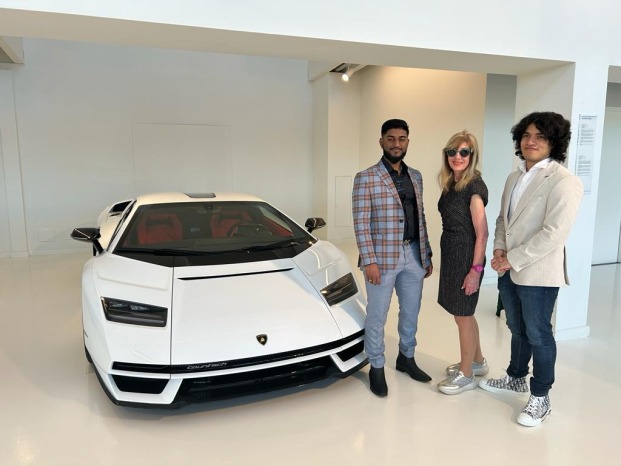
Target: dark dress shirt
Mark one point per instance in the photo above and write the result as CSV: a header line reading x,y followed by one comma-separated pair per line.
x,y
405,189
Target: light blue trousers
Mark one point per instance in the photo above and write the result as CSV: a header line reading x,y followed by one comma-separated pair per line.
x,y
407,280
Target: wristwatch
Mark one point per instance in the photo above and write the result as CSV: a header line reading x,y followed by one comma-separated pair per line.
x,y
478,268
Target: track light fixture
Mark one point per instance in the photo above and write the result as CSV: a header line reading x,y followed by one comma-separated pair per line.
x,y
346,70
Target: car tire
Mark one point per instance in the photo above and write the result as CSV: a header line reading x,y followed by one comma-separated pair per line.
x,y
88,356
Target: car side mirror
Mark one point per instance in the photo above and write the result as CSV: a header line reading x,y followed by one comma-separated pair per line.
x,y
88,234
314,223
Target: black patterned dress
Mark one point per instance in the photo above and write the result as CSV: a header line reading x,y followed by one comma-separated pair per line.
x,y
457,247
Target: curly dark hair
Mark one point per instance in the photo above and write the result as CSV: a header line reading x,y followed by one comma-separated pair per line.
x,y
553,126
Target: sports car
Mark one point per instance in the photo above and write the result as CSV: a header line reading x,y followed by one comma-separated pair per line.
x,y
196,297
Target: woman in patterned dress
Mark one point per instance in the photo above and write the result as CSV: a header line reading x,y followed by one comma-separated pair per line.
x,y
464,237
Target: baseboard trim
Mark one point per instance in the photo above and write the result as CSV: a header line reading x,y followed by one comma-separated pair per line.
x,y
572,333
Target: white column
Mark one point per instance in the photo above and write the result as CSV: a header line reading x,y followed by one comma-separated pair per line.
x,y
588,98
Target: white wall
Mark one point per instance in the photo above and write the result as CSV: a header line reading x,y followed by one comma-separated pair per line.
x,y
499,154
343,152
436,105
5,232
12,224
607,243
76,105
613,95
608,213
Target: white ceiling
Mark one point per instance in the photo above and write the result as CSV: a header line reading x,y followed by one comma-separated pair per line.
x,y
22,23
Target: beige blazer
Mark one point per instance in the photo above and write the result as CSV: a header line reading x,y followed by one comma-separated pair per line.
x,y
535,236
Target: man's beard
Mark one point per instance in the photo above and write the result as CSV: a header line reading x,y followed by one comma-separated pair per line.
x,y
394,159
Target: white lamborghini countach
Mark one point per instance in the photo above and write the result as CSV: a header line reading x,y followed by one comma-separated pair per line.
x,y
196,297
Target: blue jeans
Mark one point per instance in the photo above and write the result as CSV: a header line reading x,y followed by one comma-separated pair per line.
x,y
407,279
529,317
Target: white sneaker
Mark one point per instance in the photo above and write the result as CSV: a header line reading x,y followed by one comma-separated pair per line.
x,y
457,383
516,386
478,368
535,411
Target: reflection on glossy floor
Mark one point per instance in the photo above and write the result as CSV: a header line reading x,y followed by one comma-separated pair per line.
x,y
53,412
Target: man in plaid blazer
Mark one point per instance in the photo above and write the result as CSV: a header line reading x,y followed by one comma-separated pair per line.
x,y
391,233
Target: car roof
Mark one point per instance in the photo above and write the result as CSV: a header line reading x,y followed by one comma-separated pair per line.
x,y
169,197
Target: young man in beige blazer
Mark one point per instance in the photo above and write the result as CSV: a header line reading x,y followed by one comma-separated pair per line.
x,y
539,206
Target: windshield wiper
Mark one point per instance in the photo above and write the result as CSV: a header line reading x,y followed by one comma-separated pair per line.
x,y
189,252
170,252
278,245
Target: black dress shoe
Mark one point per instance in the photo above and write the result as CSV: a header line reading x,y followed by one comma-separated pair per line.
x,y
378,381
408,365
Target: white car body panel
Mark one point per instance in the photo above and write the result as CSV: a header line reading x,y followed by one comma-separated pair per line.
x,y
122,278
218,314
108,220
166,397
324,263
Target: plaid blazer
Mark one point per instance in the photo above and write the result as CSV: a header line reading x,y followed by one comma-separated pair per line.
x,y
379,218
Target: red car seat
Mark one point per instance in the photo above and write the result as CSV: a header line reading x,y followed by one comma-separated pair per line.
x,y
224,222
159,228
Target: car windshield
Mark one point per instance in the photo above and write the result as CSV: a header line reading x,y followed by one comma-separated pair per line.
x,y
209,228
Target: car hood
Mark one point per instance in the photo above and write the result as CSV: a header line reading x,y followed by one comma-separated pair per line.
x,y
247,310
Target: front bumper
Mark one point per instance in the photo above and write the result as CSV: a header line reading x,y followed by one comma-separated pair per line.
x,y
172,387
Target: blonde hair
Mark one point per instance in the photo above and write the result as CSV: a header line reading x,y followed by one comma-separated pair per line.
x,y
446,177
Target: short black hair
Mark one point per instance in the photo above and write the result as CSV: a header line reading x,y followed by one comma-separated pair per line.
x,y
553,126
395,123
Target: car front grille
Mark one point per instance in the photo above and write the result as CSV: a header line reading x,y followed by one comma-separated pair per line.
x,y
243,383
195,390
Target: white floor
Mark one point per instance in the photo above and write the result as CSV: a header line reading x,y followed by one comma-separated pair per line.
x,y
53,411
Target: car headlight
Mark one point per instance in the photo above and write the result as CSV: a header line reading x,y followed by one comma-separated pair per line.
x,y
127,312
340,290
